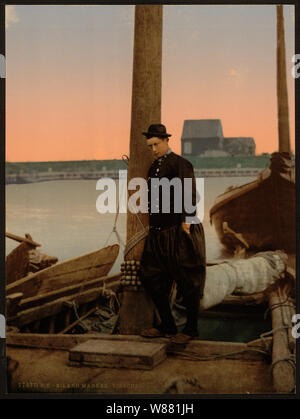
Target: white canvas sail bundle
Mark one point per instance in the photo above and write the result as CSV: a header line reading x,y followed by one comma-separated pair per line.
x,y
244,277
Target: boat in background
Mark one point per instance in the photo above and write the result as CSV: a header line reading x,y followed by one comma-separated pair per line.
x,y
262,212
261,215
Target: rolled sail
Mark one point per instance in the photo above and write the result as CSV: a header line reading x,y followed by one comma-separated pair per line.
x,y
243,277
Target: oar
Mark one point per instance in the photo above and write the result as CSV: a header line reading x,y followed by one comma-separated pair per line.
x,y
22,239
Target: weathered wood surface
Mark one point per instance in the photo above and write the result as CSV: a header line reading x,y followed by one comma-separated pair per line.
x,y
83,268
282,363
50,373
253,351
52,308
118,354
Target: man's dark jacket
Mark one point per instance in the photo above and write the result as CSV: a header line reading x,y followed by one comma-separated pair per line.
x,y
174,168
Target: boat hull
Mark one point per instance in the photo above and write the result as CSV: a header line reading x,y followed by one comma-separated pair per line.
x,y
73,271
262,211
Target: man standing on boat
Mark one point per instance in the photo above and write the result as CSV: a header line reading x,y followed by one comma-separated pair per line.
x,y
175,247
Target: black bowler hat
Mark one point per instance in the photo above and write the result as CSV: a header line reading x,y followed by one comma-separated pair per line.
x,y
157,130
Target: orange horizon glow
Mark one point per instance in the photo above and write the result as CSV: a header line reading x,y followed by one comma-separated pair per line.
x,y
76,131
70,99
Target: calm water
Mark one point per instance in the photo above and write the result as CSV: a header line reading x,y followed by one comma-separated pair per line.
x,y
62,217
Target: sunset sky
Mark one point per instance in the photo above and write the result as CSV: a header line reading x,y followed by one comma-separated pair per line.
x,y
69,76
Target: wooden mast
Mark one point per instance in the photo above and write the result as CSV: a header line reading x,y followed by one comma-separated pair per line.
x,y
136,310
282,95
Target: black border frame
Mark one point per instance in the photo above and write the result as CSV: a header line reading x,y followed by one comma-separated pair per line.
x,y
136,399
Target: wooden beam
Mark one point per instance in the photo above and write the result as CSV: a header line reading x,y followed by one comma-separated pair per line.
x,y
282,364
38,300
53,307
201,348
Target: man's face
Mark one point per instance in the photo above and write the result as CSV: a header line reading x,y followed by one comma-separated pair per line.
x,y
158,146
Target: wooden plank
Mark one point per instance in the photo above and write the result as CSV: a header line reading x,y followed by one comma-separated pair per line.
x,y
22,239
119,354
200,347
40,299
53,307
69,272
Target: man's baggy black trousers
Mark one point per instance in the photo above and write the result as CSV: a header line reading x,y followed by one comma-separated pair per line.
x,y
174,255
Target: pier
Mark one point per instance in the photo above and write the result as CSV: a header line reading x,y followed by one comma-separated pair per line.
x,y
21,178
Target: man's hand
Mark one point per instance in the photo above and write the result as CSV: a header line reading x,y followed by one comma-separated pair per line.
x,y
186,227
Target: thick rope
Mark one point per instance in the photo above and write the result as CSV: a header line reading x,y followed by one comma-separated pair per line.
x,y
194,356
271,332
135,240
277,305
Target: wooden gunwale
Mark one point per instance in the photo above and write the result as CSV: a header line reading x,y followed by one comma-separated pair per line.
x,y
52,308
64,292
62,342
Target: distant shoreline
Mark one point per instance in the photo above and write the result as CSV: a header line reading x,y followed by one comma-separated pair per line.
x,y
31,172
55,176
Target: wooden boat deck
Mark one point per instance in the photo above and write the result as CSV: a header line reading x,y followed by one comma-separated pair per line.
x,y
247,373
203,367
